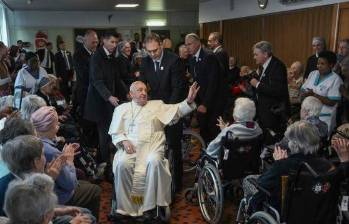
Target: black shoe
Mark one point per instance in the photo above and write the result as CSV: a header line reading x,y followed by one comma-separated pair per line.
x,y
150,215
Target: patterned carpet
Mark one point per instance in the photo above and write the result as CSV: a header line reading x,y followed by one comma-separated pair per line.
x,y
182,212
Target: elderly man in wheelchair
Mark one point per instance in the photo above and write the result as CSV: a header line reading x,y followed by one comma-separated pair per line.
x,y
299,187
228,157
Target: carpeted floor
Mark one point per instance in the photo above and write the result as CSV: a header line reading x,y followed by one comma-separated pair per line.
x,y
182,212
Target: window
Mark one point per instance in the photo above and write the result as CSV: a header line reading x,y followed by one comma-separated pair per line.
x,y
3,25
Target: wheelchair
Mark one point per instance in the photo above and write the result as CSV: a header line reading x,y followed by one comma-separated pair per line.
x,y
237,159
306,197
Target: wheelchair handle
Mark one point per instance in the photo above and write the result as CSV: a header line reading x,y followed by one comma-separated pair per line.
x,y
262,189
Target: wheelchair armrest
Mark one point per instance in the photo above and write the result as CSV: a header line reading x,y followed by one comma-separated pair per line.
x,y
260,188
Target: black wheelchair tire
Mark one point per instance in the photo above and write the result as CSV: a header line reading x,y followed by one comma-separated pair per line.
x,y
217,187
261,217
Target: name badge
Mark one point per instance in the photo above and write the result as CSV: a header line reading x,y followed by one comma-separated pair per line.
x,y
344,204
161,68
226,154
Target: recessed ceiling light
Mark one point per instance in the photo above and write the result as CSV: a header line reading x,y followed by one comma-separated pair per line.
x,y
155,22
126,5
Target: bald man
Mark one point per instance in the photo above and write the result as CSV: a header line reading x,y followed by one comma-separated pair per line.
x,y
81,60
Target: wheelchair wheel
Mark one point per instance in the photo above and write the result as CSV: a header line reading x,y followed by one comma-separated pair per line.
x,y
210,194
261,218
192,144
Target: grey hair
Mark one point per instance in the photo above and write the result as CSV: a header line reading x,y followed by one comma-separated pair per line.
x,y
29,200
264,46
30,104
303,137
6,101
312,106
320,40
121,46
20,153
192,36
244,109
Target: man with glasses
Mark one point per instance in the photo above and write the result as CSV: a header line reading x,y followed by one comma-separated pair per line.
x,y
162,72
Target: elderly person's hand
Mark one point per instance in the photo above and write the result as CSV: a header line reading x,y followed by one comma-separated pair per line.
x,y
67,210
129,147
193,91
69,151
221,124
54,167
279,153
81,219
341,146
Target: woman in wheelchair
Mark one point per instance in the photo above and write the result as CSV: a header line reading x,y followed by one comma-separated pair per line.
x,y
303,142
244,127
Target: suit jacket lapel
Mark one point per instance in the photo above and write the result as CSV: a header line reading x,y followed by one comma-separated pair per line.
x,y
267,70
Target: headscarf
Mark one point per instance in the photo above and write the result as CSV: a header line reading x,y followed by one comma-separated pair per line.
x,y
44,118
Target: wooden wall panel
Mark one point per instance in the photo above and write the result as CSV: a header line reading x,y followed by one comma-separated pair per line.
x,y
239,36
208,28
291,33
343,21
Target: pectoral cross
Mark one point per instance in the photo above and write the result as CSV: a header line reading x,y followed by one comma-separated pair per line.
x,y
130,127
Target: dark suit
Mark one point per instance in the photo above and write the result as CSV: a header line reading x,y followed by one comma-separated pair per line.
x,y
272,92
104,82
311,65
213,92
167,84
41,54
223,59
65,71
125,67
81,59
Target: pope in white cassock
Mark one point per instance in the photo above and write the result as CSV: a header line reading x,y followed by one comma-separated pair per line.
x,y
142,176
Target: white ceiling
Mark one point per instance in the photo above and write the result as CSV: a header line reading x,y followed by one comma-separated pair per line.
x,y
102,5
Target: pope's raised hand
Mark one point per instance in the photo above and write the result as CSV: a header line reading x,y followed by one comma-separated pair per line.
x,y
193,91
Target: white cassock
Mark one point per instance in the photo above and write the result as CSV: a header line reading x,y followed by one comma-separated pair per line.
x,y
144,174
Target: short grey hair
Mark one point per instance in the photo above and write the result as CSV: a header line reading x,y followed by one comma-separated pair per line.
x,y
244,109
311,106
264,46
30,104
320,40
121,45
6,101
29,200
303,137
20,153
192,36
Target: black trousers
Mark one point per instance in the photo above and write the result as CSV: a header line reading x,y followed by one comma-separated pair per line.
x,y
173,137
104,140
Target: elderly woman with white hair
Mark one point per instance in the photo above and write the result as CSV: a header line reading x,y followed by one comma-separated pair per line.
x,y
303,143
310,111
33,201
30,104
244,127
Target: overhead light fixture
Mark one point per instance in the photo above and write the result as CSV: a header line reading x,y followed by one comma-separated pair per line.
x,y
126,5
155,22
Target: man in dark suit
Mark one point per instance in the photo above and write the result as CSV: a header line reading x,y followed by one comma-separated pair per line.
x,y
162,71
64,70
104,92
46,57
82,66
213,93
271,90
215,42
319,45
